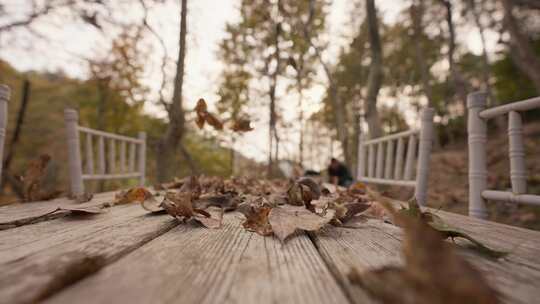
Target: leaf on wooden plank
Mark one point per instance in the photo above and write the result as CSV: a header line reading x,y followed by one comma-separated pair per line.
x,y
152,205
91,210
213,221
287,219
227,201
193,186
242,125
447,231
83,198
433,272
256,218
137,194
175,184
303,192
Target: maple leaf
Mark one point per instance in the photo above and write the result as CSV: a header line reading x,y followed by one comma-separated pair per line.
x,y
285,220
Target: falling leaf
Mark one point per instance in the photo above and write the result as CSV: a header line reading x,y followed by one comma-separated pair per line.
x,y
285,220
203,116
242,125
256,219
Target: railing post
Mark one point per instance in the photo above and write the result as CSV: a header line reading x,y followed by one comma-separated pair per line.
x,y
518,171
424,152
89,154
361,168
142,158
5,94
122,156
74,153
112,156
101,155
477,137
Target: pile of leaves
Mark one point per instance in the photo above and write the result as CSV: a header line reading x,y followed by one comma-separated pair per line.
x,y
270,207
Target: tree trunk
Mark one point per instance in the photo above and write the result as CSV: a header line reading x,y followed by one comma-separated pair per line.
x,y
375,76
459,83
520,49
169,143
15,184
417,14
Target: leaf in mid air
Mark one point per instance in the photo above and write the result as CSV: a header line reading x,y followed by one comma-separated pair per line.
x,y
242,125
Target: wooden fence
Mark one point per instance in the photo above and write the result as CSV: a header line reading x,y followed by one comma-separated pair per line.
x,y
131,162
478,116
385,163
5,94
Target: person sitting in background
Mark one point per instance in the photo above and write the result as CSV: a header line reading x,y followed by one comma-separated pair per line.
x,y
339,174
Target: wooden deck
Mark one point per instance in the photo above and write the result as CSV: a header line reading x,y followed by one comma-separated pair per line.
x,y
128,256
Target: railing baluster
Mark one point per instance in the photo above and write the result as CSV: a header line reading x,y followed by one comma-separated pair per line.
x,y
518,171
389,159
411,154
371,160
5,94
142,158
132,155
380,156
101,155
122,156
112,155
89,154
399,158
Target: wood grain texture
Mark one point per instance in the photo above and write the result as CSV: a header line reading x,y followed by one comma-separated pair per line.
x,y
26,211
34,267
516,276
191,264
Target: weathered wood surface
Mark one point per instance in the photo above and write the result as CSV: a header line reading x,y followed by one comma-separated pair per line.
x,y
38,260
515,276
27,211
126,255
190,264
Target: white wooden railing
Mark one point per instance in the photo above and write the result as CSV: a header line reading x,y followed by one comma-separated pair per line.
x,y
5,94
477,138
129,166
386,166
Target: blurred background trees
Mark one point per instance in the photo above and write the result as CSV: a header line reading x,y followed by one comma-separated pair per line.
x,y
311,88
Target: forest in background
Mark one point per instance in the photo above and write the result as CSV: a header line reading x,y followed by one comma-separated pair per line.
x,y
274,55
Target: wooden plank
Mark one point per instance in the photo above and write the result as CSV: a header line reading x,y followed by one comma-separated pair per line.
x,y
516,276
84,247
24,211
191,264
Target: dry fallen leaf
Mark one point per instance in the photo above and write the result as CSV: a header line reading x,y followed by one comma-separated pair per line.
x,y
213,221
138,194
256,219
83,210
285,220
433,272
226,201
